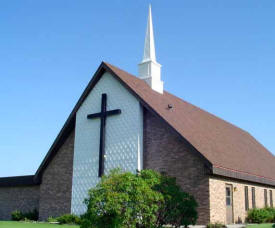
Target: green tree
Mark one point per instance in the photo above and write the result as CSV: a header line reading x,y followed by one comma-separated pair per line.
x,y
146,199
179,208
121,200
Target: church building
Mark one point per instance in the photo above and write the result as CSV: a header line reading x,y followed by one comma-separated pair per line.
x,y
131,122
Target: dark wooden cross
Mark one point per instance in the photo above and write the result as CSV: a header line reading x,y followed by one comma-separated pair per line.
x,y
103,116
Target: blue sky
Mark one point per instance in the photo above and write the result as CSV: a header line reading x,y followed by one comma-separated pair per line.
x,y
218,55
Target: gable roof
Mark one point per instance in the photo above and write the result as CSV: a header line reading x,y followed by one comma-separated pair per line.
x,y
229,150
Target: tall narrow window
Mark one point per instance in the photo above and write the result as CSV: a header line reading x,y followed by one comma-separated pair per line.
x,y
246,198
271,198
265,198
253,198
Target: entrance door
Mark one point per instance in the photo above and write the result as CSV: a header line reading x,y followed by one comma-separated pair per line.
x,y
229,204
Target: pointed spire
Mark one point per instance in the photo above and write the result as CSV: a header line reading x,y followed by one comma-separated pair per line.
x,y
149,69
149,47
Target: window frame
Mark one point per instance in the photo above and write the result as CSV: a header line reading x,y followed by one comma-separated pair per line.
x,y
271,198
253,197
246,198
265,198
228,197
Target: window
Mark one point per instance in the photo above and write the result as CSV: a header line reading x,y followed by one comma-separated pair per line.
x,y
271,198
253,198
228,196
246,198
265,198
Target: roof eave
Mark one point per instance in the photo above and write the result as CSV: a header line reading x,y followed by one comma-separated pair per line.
x,y
233,174
17,181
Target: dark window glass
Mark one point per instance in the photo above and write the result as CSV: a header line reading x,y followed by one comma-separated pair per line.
x,y
253,198
265,198
246,198
227,191
271,198
228,201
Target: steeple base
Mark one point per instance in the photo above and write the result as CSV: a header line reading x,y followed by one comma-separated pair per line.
x,y
150,72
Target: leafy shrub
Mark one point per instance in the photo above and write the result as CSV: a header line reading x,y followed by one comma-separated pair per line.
x,y
178,207
261,215
121,200
52,220
271,217
69,219
17,216
215,225
30,215
145,199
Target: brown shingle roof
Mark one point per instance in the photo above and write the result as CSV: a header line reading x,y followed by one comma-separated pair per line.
x,y
230,150
223,144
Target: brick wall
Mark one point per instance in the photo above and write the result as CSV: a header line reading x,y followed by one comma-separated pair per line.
x,y
56,186
165,151
23,198
217,198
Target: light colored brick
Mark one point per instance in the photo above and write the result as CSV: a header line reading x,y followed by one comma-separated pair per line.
x,y
217,198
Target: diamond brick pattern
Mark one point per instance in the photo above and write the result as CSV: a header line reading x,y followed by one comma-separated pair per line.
x,y
123,142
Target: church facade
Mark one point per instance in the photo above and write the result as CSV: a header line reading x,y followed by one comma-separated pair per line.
x,y
130,122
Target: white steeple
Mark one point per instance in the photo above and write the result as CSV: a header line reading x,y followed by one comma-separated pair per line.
x,y
149,46
149,68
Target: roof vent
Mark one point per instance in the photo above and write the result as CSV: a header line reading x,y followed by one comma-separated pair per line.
x,y
169,106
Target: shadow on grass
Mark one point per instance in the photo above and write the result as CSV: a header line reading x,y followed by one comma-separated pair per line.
x,y
273,226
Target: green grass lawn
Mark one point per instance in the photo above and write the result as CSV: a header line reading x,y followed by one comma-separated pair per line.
x,y
259,226
32,225
47,225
